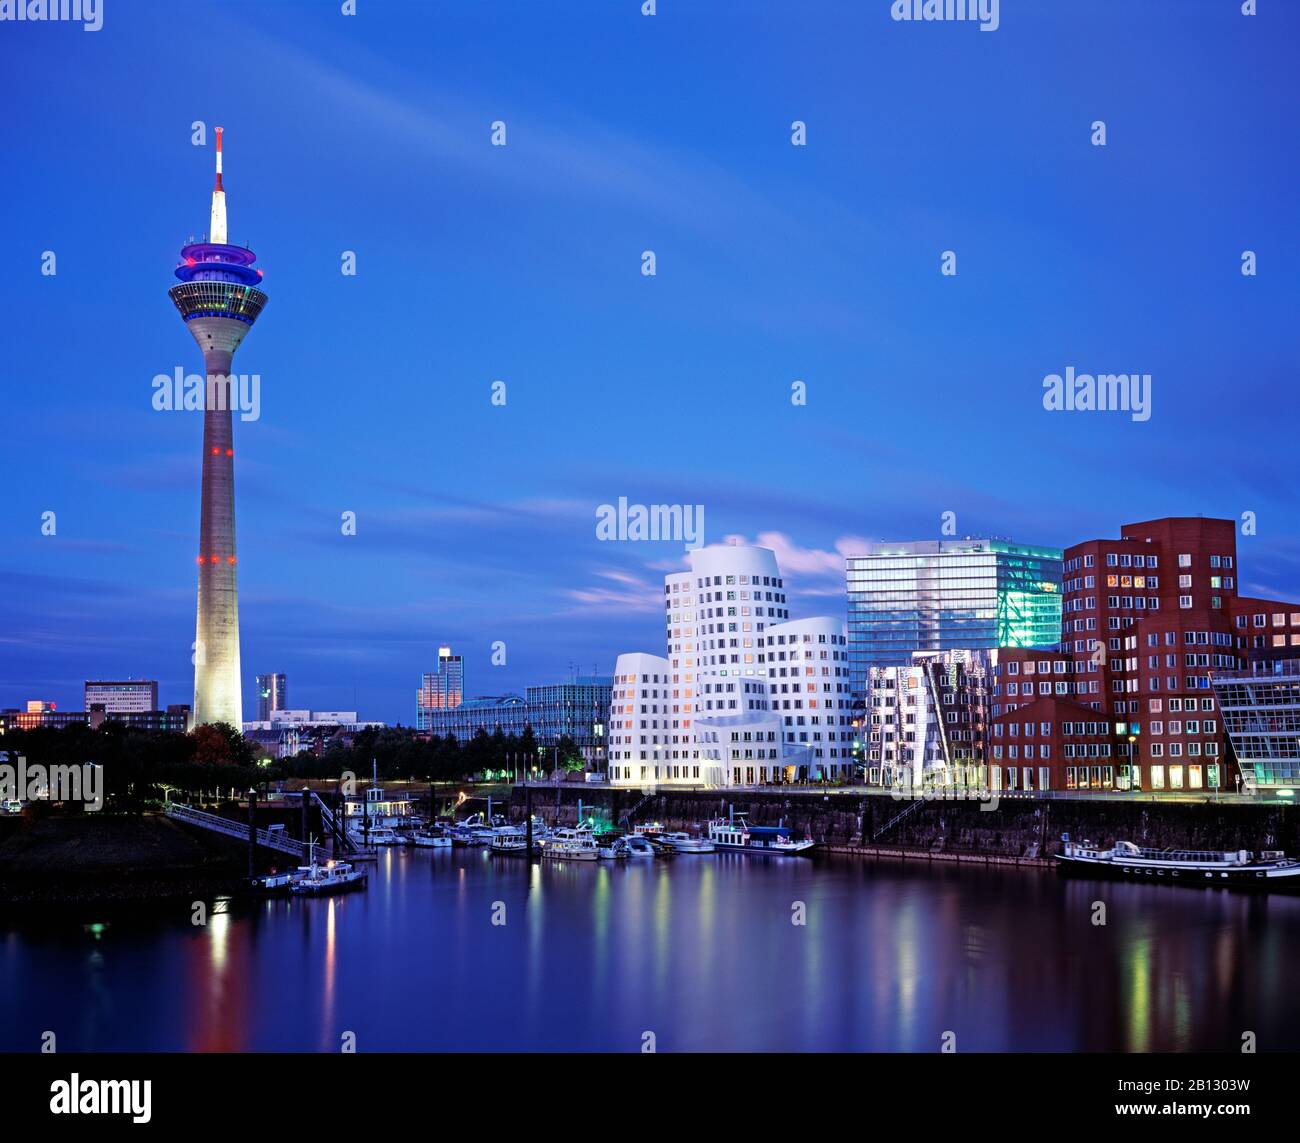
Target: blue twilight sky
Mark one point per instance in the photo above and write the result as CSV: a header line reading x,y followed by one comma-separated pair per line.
x,y
522,263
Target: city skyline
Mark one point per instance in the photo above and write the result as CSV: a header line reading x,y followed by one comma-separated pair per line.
x,y
830,255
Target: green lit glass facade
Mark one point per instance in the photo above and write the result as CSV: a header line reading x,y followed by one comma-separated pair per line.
x,y
947,595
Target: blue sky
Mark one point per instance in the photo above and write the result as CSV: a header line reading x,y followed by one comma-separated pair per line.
x,y
522,263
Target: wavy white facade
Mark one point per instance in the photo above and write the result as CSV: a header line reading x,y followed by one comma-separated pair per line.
x,y
727,626
639,717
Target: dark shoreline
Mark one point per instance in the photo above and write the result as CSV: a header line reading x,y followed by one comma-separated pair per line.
x,y
85,861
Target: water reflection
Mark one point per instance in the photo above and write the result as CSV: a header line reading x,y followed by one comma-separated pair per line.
x,y
700,950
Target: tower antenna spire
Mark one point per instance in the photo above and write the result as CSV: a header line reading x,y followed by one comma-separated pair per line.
x,y
217,231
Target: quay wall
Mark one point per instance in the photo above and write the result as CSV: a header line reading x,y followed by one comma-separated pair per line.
x,y
1019,827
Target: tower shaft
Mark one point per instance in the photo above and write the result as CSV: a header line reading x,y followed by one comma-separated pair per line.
x,y
217,689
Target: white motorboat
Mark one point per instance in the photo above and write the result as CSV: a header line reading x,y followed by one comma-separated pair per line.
x,y
683,842
431,839
571,845
633,846
608,849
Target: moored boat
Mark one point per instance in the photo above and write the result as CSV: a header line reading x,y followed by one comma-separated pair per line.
x,y
1268,869
271,884
331,877
683,842
736,834
571,845
632,846
378,836
513,841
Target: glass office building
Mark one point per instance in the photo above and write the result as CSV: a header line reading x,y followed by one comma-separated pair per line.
x,y
949,595
1261,713
577,709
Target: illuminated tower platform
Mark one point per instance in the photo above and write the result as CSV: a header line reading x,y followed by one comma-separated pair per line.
x,y
219,301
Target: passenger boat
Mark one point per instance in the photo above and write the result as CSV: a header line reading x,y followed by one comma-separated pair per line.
x,y
571,845
736,833
683,842
633,846
1270,868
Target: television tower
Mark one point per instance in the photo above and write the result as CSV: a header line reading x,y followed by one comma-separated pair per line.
x,y
219,300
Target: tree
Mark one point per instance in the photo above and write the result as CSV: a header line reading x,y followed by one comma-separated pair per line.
x,y
220,744
568,754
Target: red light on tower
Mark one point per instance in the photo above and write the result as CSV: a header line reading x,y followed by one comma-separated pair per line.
x,y
230,559
198,559
230,452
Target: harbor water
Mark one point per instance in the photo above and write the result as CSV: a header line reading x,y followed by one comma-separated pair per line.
x,y
459,950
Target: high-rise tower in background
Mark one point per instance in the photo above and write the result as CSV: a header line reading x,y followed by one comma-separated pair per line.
x,y
272,695
441,690
219,300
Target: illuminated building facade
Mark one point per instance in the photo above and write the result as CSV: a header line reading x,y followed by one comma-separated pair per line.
x,y
945,595
440,690
130,696
752,698
272,695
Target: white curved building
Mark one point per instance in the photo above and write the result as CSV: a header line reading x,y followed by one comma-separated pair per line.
x,y
728,628
639,718
809,686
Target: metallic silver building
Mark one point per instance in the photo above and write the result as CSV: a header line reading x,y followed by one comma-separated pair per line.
x,y
219,302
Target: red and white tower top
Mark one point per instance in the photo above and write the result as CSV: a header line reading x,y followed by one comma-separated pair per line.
x,y
217,231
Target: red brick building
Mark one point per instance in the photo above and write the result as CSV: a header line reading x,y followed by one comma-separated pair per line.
x,y
1145,620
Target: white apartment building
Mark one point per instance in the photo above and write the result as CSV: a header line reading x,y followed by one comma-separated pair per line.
x,y
639,718
718,722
